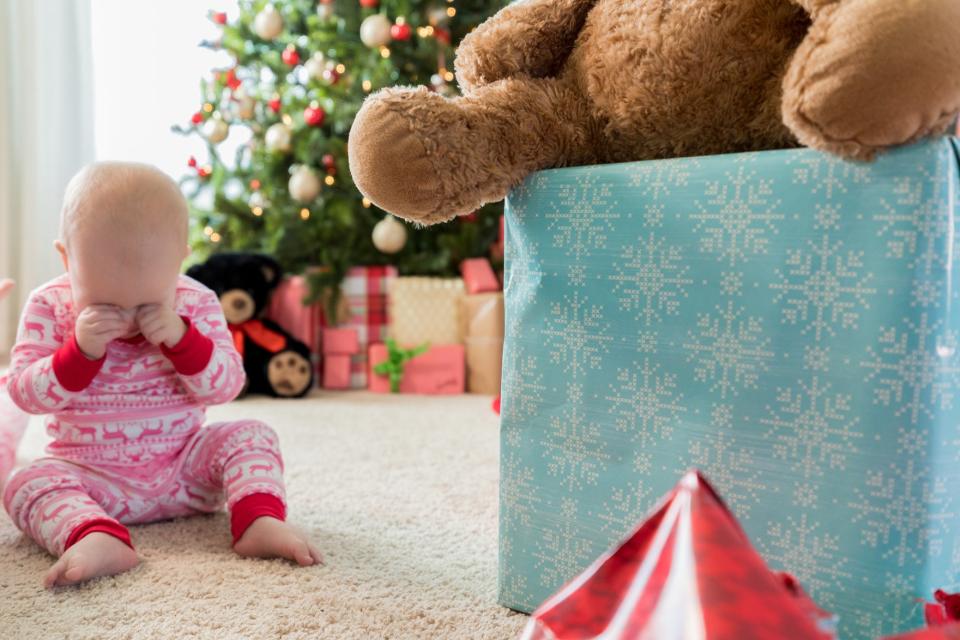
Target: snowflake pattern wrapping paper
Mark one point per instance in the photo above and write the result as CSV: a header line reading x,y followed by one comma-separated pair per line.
x,y
785,321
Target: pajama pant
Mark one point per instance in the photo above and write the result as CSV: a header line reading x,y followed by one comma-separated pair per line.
x,y
222,462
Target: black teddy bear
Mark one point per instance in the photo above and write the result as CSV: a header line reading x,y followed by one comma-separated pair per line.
x,y
277,364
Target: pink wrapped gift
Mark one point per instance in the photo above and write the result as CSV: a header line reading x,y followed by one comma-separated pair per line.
x,y
478,276
441,370
339,347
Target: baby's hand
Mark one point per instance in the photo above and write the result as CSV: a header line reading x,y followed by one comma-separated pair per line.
x,y
160,324
97,325
6,284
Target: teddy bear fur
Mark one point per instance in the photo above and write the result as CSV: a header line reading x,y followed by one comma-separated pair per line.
x,y
243,282
550,83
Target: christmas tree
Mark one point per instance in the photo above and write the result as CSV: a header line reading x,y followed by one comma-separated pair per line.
x,y
301,71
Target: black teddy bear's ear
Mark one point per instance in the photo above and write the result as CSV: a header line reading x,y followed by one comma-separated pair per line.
x,y
272,272
199,272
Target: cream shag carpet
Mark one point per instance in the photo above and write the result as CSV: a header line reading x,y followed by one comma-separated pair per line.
x,y
399,493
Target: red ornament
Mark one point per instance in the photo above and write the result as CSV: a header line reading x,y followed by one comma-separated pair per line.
x,y
369,4
192,162
314,116
290,56
496,405
229,78
219,17
197,117
442,35
203,172
274,105
327,161
254,184
470,217
331,171
401,31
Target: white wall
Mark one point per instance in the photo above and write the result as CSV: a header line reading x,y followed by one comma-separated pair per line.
x,y
147,71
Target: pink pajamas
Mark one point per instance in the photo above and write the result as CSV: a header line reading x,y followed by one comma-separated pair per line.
x,y
129,445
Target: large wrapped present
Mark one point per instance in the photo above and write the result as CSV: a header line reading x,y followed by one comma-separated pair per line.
x,y
785,321
482,317
364,292
424,309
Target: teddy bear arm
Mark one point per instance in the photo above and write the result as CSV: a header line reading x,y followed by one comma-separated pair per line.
x,y
873,74
530,38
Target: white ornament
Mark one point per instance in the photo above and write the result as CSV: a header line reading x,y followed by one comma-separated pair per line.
x,y
268,24
325,10
278,137
304,185
215,130
245,104
375,30
258,200
389,235
438,15
315,65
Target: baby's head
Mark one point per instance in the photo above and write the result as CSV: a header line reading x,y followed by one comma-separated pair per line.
x,y
123,235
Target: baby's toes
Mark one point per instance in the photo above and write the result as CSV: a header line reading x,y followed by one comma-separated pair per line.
x,y
299,551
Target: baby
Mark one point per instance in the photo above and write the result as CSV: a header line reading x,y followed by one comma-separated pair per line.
x,y
125,353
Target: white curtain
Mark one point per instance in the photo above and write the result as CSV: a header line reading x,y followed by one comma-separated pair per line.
x,y
46,135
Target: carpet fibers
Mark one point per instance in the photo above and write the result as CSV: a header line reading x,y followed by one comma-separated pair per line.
x,y
398,492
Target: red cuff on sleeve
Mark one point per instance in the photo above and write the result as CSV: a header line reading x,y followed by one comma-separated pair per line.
x,y
192,354
102,525
253,506
74,370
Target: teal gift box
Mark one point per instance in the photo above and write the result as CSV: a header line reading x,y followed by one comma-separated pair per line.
x,y
785,321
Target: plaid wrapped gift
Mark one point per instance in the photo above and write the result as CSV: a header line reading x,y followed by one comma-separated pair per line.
x,y
365,294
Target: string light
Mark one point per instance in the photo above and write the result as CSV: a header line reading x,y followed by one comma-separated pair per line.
x,y
305,213
215,237
207,107
208,230
257,211
341,68
448,76
451,11
287,120
367,85
385,52
366,203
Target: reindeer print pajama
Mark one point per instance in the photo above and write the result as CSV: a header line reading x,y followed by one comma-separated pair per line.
x,y
129,442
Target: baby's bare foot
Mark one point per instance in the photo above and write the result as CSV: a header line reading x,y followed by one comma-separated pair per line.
x,y
94,555
271,538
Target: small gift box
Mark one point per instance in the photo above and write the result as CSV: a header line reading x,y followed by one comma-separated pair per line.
x,y
364,291
425,310
339,347
482,315
437,371
478,276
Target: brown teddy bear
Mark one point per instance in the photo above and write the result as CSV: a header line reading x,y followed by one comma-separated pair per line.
x,y
549,83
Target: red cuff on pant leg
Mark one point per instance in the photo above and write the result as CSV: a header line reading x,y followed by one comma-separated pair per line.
x,y
102,525
251,507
